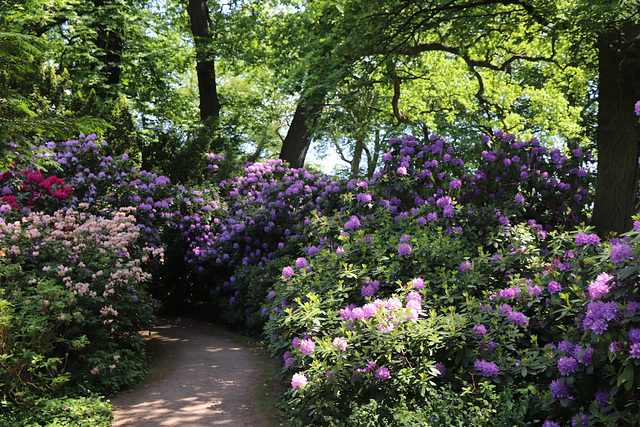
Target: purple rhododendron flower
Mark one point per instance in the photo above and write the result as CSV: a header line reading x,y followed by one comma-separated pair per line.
x,y
518,318
352,223
404,249
448,211
560,389
382,374
301,262
466,267
579,420
602,397
554,287
287,272
634,336
440,367
567,365
548,423
566,346
479,330
635,351
488,369
598,314
620,252
637,108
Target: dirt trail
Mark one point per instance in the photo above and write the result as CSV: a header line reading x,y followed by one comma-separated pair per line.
x,y
203,376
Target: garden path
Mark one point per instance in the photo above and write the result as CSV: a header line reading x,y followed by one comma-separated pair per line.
x,y
202,375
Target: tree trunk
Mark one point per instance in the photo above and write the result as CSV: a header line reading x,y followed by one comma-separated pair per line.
x,y
205,65
618,136
110,40
296,143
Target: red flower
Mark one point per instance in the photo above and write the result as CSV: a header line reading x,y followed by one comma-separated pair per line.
x,y
11,201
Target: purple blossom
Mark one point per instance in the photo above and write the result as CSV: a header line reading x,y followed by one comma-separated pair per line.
x,y
620,252
382,373
579,420
637,108
301,263
404,249
548,423
598,314
440,367
519,198
518,318
448,211
417,283
634,336
353,223
602,397
488,369
466,267
339,344
287,272
534,291
593,240
554,287
635,351
566,346
560,389
480,330
489,347
567,365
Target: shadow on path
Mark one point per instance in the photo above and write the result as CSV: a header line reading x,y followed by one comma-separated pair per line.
x,y
205,377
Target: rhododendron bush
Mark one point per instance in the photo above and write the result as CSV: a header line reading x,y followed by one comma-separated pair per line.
x,y
73,299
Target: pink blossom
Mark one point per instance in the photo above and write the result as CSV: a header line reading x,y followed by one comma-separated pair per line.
x,y
307,346
298,380
339,343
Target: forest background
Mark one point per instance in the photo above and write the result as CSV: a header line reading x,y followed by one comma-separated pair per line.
x,y
168,80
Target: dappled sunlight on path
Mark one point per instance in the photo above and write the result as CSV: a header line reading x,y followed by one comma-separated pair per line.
x,y
205,377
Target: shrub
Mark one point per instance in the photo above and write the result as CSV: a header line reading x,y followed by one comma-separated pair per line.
x,y
73,300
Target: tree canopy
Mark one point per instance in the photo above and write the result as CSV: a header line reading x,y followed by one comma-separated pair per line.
x,y
167,80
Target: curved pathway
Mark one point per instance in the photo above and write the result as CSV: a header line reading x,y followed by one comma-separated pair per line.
x,y
202,375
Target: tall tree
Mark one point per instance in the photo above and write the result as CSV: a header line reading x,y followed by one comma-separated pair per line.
x,y
618,131
203,37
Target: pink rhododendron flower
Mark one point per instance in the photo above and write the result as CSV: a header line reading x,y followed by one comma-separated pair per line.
x,y
298,380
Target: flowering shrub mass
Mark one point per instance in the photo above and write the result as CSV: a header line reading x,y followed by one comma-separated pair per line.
x,y
72,301
441,291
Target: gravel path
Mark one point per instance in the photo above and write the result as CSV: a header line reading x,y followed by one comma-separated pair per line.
x,y
202,376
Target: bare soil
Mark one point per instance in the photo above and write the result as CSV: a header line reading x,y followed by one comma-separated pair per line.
x,y
202,375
